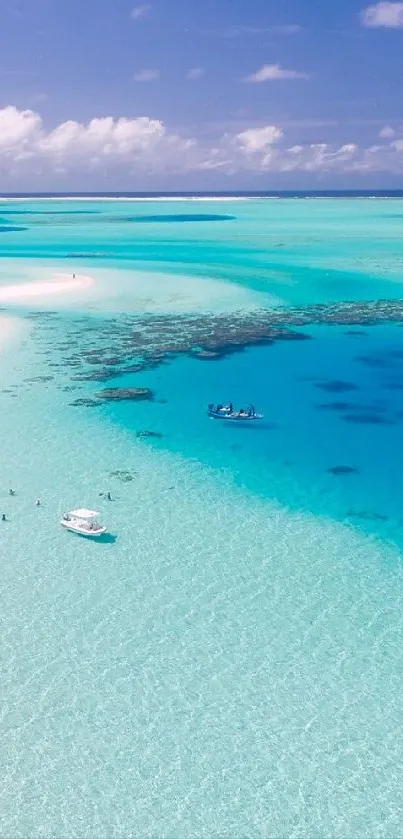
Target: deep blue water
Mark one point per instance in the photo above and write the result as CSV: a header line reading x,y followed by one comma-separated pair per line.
x,y
330,442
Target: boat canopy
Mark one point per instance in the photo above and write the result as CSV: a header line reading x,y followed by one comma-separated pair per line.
x,y
82,513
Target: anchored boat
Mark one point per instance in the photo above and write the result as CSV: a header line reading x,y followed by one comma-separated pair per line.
x,y
226,412
84,522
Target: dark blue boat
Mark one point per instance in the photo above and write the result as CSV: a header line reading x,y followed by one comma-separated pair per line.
x,y
226,412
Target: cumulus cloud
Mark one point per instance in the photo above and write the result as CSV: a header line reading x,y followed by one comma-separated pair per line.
x,y
105,137
195,73
387,133
146,76
18,130
140,12
273,72
259,139
384,14
144,145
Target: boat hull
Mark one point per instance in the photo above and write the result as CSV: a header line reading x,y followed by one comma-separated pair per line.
x,y
233,417
89,534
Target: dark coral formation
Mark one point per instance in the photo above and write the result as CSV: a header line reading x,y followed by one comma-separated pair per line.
x,y
182,218
367,515
343,470
367,419
85,403
336,386
98,350
121,394
36,379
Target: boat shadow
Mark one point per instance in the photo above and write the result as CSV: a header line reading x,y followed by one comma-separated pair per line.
x,y
108,539
105,539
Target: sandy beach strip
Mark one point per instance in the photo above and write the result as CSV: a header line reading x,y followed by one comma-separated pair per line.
x,y
60,284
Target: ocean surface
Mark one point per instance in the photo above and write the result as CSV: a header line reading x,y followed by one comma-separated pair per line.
x,y
229,661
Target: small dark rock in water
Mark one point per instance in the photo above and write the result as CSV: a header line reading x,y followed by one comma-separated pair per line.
x,y
120,394
367,419
337,386
156,434
342,470
85,403
123,476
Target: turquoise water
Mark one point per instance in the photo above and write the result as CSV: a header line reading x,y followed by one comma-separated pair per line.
x,y
229,662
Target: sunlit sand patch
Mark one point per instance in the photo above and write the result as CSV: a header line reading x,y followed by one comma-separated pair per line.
x,y
10,330
61,284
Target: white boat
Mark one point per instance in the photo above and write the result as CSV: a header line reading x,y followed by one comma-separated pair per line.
x,y
84,522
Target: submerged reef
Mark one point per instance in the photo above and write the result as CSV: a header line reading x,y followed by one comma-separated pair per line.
x,y
343,470
103,349
120,394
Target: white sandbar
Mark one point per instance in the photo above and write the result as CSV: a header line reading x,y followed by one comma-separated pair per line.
x,y
61,284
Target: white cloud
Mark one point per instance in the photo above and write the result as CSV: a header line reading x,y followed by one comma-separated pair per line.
x,y
146,76
387,133
383,14
140,12
258,139
18,129
195,73
273,72
144,145
105,137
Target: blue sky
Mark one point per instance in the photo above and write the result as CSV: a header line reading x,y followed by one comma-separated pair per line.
x,y
181,94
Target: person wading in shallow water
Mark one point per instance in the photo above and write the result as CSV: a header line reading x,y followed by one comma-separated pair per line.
x,y
3,518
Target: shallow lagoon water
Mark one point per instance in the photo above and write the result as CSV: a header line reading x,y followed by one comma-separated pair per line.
x,y
231,664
